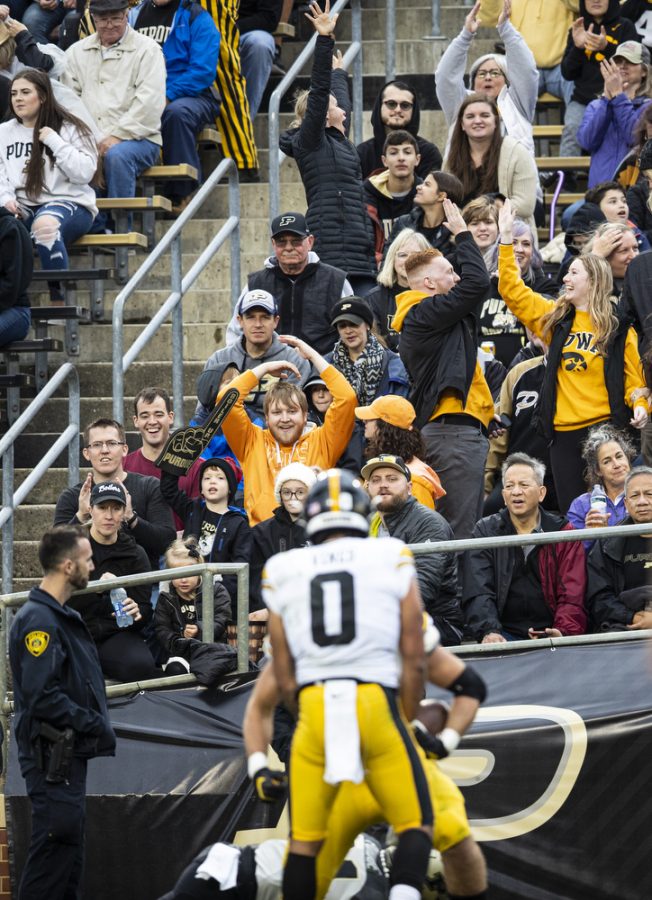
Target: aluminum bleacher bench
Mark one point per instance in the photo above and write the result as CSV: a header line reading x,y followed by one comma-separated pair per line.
x,y
69,316
11,385
40,348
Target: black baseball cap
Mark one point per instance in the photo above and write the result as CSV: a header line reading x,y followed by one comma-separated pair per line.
x,y
105,7
352,309
108,490
290,223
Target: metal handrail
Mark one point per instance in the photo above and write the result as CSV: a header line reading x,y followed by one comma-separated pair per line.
x,y
207,571
179,286
66,373
353,54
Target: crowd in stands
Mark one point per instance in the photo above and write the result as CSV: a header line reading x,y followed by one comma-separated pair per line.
x,y
410,327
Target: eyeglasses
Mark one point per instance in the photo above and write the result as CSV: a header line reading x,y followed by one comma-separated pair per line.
x,y
287,494
110,445
404,104
489,73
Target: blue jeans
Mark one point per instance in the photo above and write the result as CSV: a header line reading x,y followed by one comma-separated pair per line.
x,y
74,221
40,22
257,50
551,80
572,120
182,119
14,324
124,162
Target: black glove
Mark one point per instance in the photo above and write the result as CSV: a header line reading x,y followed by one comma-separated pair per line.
x,y
270,785
431,745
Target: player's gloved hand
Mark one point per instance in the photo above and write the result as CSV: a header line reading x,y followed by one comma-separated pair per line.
x,y
431,745
270,784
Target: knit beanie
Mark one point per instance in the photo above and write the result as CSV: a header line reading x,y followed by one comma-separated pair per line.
x,y
230,468
294,472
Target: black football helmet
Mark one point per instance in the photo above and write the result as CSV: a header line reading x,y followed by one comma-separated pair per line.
x,y
336,502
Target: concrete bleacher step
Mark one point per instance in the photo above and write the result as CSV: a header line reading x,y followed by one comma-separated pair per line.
x,y
412,21
54,416
198,343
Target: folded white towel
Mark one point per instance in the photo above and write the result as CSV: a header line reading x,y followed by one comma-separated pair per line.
x,y
222,865
341,733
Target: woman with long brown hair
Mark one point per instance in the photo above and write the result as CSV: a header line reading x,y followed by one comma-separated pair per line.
x,y
487,162
593,371
48,158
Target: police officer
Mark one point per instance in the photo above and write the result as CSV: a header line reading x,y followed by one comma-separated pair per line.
x,y
61,717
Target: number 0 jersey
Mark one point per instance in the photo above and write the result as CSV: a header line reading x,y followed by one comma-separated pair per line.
x,y
341,605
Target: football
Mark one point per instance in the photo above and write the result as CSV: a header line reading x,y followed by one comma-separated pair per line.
x,y
433,714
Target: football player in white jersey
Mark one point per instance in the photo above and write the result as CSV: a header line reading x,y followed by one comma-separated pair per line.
x,y
255,873
346,631
355,808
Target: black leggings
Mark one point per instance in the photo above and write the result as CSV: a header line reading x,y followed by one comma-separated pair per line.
x,y
568,466
126,657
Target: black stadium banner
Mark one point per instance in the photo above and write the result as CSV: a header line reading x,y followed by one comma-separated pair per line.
x,y
556,773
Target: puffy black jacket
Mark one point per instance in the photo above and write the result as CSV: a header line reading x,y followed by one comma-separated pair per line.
x,y
370,151
304,301
275,535
169,621
440,238
330,172
61,684
414,523
125,557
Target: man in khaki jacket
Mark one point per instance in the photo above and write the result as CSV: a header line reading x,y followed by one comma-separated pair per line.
x,y
120,76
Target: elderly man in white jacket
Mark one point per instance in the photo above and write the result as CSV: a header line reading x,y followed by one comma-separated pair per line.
x,y
120,76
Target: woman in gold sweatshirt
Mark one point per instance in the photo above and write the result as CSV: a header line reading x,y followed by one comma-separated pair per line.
x,y
594,371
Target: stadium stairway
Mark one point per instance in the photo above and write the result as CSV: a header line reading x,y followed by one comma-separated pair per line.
x,y
207,307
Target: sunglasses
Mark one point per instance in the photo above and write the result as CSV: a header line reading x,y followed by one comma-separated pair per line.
x,y
404,104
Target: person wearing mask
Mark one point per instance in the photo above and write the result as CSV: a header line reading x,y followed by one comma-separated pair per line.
x,y
284,529
593,373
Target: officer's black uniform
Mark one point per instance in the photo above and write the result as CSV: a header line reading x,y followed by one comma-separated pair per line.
x,y
57,680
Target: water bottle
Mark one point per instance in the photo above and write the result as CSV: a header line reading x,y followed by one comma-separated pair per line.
x,y
599,501
122,619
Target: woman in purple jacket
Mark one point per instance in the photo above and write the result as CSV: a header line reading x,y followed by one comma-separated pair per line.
x,y
606,131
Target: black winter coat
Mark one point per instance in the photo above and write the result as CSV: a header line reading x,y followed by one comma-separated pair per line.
x,y
606,582
16,260
330,172
639,211
62,684
584,69
232,542
414,523
383,302
275,535
125,557
440,238
169,620
370,151
439,342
